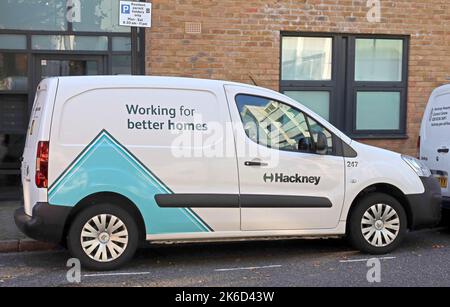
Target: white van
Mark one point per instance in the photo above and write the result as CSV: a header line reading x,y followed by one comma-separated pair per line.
x,y
111,162
435,139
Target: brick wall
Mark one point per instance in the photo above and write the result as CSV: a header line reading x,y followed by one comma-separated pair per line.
x,y
239,38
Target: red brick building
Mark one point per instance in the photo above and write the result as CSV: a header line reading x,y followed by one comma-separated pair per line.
x,y
385,56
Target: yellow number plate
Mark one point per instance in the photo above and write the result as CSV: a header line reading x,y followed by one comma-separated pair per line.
x,y
443,181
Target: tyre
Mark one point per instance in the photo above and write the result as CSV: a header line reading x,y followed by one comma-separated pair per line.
x,y
103,237
377,224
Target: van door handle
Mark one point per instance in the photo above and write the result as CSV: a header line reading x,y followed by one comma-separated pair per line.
x,y
255,163
443,150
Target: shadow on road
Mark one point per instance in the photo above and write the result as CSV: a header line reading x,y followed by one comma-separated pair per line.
x,y
252,251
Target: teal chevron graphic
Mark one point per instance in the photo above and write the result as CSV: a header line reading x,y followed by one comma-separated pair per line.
x,y
107,166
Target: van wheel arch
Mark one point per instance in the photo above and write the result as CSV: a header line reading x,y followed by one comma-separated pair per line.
x,y
386,189
107,197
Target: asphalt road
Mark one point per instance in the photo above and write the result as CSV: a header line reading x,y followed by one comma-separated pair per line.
x,y
422,260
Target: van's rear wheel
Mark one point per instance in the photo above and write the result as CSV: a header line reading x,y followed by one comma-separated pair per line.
x,y
103,237
378,224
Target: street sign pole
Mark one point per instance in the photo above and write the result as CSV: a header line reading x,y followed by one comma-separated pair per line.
x,y
135,15
134,51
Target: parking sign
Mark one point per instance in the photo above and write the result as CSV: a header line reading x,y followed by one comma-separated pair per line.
x,y
126,9
135,14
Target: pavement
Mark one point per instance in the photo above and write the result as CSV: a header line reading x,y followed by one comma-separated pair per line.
x,y
11,239
422,260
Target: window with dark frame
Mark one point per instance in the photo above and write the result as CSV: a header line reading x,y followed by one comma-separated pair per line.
x,y
357,82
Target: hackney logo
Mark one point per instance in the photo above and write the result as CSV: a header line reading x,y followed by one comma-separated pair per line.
x,y
282,178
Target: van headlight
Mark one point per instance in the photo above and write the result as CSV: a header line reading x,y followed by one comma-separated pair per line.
x,y
418,166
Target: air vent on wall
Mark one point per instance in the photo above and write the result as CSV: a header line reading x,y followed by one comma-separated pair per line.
x,y
193,27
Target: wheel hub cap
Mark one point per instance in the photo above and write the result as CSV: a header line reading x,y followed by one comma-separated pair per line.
x,y
104,238
380,225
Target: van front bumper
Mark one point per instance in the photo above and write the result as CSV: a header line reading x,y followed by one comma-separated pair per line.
x,y
47,223
425,208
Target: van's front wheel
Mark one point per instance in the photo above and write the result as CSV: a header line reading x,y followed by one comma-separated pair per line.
x,y
378,224
103,237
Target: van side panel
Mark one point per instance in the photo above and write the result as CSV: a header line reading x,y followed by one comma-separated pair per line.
x,y
142,142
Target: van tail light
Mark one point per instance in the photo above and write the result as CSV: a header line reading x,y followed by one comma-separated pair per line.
x,y
42,164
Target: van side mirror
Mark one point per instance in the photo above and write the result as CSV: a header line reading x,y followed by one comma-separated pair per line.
x,y
322,142
304,144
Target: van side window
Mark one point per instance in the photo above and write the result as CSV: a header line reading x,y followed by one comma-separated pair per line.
x,y
280,126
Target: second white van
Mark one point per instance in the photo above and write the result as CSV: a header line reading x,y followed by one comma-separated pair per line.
x,y
435,139
111,162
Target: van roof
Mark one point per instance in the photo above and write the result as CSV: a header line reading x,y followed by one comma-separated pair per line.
x,y
441,89
147,80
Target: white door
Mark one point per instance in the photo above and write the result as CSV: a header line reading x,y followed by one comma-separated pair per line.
x,y
284,183
435,138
